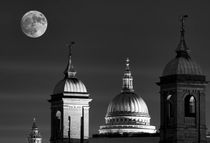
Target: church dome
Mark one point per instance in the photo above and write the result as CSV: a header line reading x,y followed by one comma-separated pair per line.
x,y
127,112
70,85
127,103
182,65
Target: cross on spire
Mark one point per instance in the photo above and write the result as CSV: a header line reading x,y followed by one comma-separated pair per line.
x,y
70,47
183,17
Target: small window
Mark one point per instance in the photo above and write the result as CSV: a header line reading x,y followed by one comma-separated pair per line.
x,y
170,110
58,114
58,121
169,97
190,106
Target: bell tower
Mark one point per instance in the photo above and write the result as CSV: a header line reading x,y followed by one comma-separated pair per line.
x,y
182,97
70,108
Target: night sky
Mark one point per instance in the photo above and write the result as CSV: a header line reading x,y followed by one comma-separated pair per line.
x,y
105,32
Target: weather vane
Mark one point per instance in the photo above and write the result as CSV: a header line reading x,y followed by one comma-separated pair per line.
x,y
183,17
70,47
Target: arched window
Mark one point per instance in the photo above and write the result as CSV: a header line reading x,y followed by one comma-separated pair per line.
x,y
169,97
58,121
58,114
190,106
169,107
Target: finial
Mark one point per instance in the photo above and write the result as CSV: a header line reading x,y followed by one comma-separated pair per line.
x,y
182,50
127,63
34,126
70,72
70,47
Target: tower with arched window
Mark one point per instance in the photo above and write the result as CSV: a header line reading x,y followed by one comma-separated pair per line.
x,y
69,109
182,96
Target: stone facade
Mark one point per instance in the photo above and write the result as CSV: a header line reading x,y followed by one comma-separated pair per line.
x,y
73,115
180,128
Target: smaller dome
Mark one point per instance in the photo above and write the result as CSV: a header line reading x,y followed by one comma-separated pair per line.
x,y
70,85
182,65
127,103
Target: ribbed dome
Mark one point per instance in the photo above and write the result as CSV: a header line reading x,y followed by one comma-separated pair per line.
x,y
127,112
71,85
182,65
127,103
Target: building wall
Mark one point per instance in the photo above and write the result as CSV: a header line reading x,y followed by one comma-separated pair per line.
x,y
181,128
69,107
73,108
75,117
128,140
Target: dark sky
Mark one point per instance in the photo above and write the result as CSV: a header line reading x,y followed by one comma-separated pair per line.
x,y
105,32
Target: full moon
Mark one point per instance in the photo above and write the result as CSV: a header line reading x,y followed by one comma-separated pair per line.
x,y
34,24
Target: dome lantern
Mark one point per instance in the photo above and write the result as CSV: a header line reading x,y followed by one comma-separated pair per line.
x,y
127,79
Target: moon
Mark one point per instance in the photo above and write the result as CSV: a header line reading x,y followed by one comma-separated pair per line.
x,y
34,24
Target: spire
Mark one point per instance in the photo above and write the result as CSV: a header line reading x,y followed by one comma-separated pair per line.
x,y
127,78
182,50
34,135
34,126
69,71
